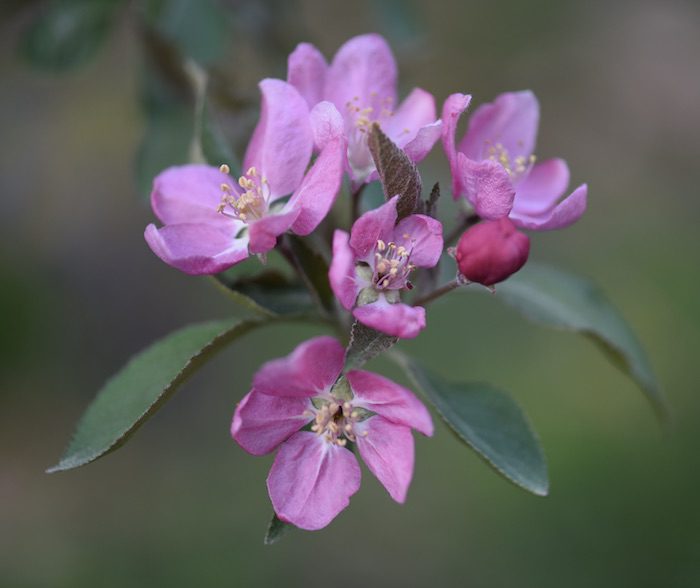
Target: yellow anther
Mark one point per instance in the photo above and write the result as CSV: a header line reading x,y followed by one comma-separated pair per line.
x,y
381,245
251,172
224,169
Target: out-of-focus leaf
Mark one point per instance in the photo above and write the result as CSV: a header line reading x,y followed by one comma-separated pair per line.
x,y
313,269
365,344
139,389
558,299
489,421
399,175
67,33
275,530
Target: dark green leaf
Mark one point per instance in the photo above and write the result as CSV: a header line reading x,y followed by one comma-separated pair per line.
x,y
275,530
561,300
68,33
365,344
399,175
312,267
489,421
136,392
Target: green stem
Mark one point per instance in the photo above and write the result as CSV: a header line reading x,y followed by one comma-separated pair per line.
x,y
442,290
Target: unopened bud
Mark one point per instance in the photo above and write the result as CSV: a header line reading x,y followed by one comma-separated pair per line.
x,y
491,251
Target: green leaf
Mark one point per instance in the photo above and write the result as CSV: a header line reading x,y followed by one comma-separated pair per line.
x,y
136,392
313,269
275,530
399,175
489,421
67,33
365,344
558,299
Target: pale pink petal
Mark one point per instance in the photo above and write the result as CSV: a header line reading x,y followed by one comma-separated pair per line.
x,y
282,142
311,369
196,249
422,235
511,120
567,212
371,226
190,194
311,481
395,403
261,422
306,71
363,72
487,186
319,189
453,108
341,274
543,186
263,233
398,320
326,123
420,145
415,112
387,449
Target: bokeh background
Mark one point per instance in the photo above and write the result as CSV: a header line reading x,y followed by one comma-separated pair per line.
x,y
181,504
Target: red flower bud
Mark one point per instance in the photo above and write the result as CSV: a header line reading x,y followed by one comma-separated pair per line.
x,y
491,251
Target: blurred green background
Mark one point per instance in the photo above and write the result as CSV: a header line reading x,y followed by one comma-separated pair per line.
x,y
181,504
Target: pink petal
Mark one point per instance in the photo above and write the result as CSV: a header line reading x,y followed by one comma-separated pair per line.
x,y
422,235
282,142
387,449
306,71
341,274
395,403
263,233
371,226
317,193
326,123
190,194
311,481
196,249
414,113
261,422
398,320
453,108
511,120
418,147
487,186
311,369
543,186
567,212
363,68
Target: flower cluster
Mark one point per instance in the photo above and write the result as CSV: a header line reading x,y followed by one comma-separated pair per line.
x,y
316,128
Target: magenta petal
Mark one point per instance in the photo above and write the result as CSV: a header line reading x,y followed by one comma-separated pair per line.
x,y
341,274
364,72
282,142
319,189
399,320
311,481
567,212
387,449
487,186
453,108
543,186
414,113
511,120
306,71
327,124
263,233
420,145
371,226
189,194
311,369
422,235
388,399
196,249
261,422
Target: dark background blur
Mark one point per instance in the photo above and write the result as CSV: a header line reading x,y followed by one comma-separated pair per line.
x,y
181,504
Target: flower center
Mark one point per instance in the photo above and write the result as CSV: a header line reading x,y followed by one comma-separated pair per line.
x,y
248,203
516,167
391,265
335,420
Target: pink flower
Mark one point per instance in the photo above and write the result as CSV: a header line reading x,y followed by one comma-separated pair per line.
x,y
493,165
314,473
491,251
212,222
361,82
371,266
